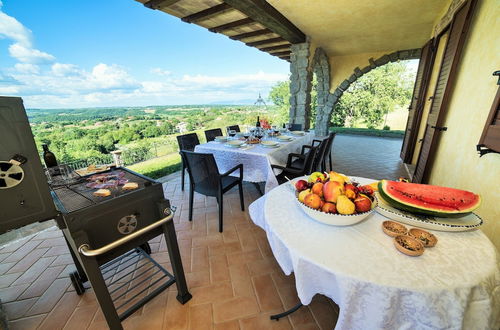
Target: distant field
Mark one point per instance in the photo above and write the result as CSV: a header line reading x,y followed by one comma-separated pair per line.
x,y
158,167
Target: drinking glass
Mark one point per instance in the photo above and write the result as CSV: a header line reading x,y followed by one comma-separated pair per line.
x,y
231,133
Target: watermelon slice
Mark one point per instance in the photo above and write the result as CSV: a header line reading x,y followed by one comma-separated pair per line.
x,y
427,199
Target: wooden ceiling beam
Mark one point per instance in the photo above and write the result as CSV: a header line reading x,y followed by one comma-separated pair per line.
x,y
204,14
264,42
279,47
262,12
231,25
251,34
158,4
279,54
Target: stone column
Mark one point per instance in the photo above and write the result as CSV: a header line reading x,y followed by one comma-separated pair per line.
x,y
321,68
300,85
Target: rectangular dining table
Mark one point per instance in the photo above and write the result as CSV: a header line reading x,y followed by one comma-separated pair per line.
x,y
256,158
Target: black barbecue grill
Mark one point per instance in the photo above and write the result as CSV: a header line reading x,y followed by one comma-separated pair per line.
x,y
107,236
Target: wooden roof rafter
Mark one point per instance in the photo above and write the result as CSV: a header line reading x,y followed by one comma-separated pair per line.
x,y
254,22
204,14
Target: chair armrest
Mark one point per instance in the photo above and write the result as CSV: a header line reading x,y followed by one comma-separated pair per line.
x,y
304,147
291,156
286,169
239,166
316,141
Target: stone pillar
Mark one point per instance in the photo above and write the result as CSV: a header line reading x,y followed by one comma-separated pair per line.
x,y
300,85
117,158
321,68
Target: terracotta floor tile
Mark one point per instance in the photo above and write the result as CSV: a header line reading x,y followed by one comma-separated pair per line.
x,y
225,248
57,250
207,240
200,317
7,279
219,270
63,259
243,257
35,270
81,318
13,246
17,309
267,295
27,323
247,240
22,251
11,293
50,298
28,260
53,242
234,308
4,267
229,325
60,314
214,292
196,279
176,315
199,259
263,321
264,266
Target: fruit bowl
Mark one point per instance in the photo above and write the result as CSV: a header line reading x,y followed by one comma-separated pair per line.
x,y
336,219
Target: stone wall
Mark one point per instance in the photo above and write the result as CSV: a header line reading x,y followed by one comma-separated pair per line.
x,y
321,67
300,85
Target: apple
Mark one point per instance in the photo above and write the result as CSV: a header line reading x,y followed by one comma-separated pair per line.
x,y
313,201
301,185
317,189
329,208
332,190
363,204
317,177
350,191
303,194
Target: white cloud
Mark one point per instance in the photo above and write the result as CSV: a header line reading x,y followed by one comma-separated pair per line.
x,y
22,47
111,76
160,72
27,68
28,54
62,70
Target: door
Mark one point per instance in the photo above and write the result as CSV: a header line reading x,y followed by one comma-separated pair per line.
x,y
417,100
458,32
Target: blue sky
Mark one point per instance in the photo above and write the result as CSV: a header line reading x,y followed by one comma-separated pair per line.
x,y
59,54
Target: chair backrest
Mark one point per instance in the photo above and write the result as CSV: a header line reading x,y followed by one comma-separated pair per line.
x,y
328,150
296,127
188,141
320,155
309,161
234,127
210,134
203,172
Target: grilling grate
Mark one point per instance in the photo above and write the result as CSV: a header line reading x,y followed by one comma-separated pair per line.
x,y
76,195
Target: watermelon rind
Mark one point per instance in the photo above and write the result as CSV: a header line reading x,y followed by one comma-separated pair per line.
x,y
392,200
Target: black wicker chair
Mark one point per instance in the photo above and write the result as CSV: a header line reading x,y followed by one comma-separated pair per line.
x,y
290,172
328,151
295,127
234,127
204,178
187,142
210,134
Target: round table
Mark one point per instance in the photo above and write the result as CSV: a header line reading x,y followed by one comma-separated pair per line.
x,y
454,285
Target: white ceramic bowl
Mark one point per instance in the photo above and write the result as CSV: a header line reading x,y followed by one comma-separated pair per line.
x,y
269,143
221,138
235,143
284,137
300,133
336,219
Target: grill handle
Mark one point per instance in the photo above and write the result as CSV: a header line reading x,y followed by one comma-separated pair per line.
x,y
86,251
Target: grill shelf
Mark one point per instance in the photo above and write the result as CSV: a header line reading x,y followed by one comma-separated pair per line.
x,y
132,279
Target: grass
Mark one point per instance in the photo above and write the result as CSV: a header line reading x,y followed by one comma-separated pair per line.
x,y
158,167
368,131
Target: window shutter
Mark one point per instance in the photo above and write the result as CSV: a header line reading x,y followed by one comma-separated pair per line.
x,y
417,101
490,138
458,32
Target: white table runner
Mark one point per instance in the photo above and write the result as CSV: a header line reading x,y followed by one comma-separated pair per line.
x,y
256,159
454,285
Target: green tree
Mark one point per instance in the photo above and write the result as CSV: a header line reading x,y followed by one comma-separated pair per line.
x,y
280,96
374,95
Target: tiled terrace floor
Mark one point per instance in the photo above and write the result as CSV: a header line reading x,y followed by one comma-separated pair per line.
x,y
234,278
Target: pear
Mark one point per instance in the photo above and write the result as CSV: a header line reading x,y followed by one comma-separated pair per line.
x,y
345,205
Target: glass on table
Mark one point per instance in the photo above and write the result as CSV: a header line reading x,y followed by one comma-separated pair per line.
x,y
231,133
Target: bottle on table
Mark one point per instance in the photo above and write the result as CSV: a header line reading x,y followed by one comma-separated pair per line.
x,y
258,122
48,157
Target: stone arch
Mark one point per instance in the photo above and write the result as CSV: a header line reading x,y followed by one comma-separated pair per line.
x,y
334,97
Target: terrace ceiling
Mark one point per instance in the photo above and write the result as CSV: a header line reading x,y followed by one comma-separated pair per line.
x,y
340,27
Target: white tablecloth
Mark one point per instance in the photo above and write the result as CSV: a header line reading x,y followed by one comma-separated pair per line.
x,y
256,159
454,285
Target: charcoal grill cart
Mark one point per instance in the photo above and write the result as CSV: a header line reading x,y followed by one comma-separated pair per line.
x,y
107,236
